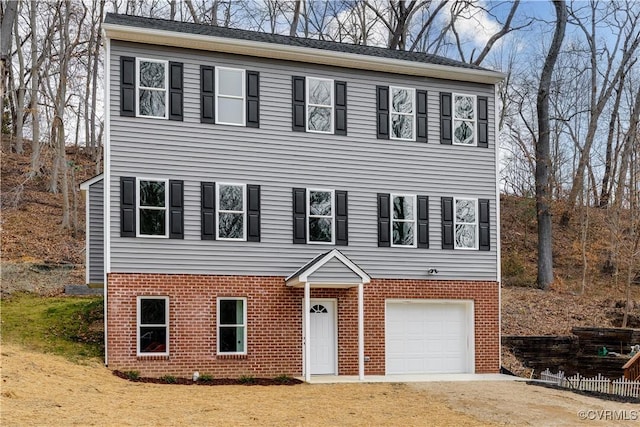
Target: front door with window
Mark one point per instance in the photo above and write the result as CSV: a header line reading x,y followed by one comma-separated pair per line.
x,y
323,337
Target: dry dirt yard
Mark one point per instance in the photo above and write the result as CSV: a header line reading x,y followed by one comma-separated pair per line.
x,y
40,389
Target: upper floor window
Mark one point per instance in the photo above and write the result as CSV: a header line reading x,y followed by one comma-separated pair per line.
x,y
152,207
466,223
153,325
402,113
230,96
152,87
403,220
320,216
319,105
231,211
464,119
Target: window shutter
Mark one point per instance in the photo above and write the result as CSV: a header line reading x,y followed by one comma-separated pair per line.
x,y
483,121
421,116
447,223
176,209
341,108
175,91
382,102
484,225
127,86
423,221
127,207
299,215
298,104
384,220
253,213
207,94
208,208
342,223
445,118
253,99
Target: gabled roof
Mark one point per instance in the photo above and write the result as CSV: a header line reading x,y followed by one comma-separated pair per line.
x,y
88,183
303,274
276,46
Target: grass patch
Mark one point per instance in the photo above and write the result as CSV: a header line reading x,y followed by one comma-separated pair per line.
x,y
67,326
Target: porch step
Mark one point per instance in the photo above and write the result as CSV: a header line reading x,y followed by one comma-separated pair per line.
x,y
78,290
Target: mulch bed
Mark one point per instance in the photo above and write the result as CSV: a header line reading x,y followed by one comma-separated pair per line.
x,y
214,381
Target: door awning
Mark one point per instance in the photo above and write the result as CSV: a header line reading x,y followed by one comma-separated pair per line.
x,y
328,270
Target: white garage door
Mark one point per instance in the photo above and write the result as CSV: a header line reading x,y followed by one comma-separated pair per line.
x,y
429,337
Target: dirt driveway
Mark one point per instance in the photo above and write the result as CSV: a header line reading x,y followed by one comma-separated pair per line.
x,y
42,389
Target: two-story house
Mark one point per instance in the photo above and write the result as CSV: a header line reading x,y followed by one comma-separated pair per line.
x,y
278,205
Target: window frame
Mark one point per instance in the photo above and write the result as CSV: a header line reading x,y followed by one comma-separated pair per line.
x,y
333,215
243,98
309,104
413,114
139,325
244,325
165,89
456,223
414,221
165,208
219,211
474,121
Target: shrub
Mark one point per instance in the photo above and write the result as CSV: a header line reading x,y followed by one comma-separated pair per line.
x,y
205,378
169,379
132,375
246,379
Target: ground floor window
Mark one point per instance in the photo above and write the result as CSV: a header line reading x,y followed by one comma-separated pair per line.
x,y
153,325
232,325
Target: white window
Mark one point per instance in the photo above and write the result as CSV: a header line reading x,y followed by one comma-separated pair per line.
x,y
151,87
403,220
230,96
466,223
320,98
152,201
232,325
464,119
320,216
231,211
402,115
153,325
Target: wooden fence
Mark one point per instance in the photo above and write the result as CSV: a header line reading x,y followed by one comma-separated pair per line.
x,y
621,387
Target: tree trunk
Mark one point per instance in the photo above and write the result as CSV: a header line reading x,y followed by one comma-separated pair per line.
x,y
605,192
9,12
296,18
36,147
543,192
20,93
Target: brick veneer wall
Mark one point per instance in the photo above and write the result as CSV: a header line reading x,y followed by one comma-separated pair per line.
x,y
274,324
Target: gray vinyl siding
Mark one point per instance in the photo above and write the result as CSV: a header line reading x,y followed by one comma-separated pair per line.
x,y
95,238
334,271
278,159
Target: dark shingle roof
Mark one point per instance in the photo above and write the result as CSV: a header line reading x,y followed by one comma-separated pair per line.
x,y
233,33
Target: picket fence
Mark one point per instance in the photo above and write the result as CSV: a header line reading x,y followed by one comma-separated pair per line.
x,y
621,387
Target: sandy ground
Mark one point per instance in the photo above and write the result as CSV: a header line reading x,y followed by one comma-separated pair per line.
x,y
42,389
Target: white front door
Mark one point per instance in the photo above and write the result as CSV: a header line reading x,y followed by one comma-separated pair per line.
x,y
323,337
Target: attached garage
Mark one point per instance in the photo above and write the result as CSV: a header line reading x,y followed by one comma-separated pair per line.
x,y
429,336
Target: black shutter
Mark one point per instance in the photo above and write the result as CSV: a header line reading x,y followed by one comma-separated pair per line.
x,y
484,224
175,91
299,215
384,220
208,208
298,104
423,221
127,86
341,108
176,209
253,99
127,207
382,102
342,222
483,121
445,118
447,223
421,116
253,213
207,94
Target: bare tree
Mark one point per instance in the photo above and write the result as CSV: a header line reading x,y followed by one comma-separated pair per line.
x,y
8,12
543,158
